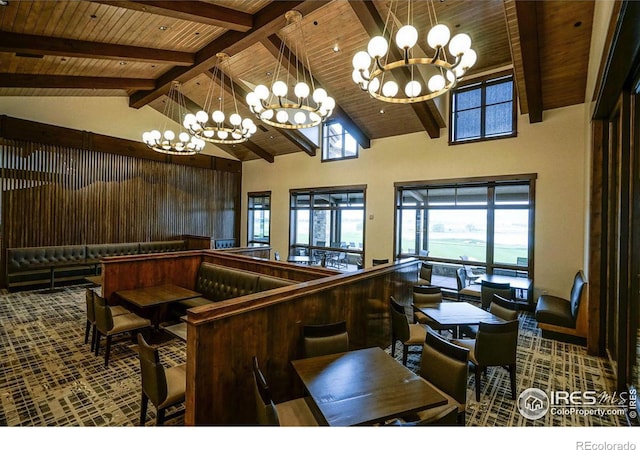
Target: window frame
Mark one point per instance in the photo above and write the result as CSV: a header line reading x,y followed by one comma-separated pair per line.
x,y
482,83
344,133
491,183
250,213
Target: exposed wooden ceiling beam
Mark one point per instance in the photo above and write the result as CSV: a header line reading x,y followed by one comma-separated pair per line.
x,y
72,82
255,148
373,23
42,45
194,11
267,21
522,26
273,43
294,136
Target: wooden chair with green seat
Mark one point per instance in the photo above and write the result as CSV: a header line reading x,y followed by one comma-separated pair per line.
x,y
164,387
495,344
291,413
109,325
91,315
410,334
325,339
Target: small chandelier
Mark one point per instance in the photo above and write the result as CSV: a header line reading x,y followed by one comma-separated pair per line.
x,y
371,66
212,128
165,141
274,107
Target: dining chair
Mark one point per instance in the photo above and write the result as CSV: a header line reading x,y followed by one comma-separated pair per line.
x,y
472,291
500,307
325,339
443,365
425,296
91,315
495,344
164,387
410,334
424,274
488,289
291,413
471,276
109,325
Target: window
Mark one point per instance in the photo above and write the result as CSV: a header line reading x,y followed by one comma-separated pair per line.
x,y
483,110
259,218
488,220
328,224
337,143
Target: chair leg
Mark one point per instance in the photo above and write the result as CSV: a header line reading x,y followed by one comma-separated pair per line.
x,y
97,343
405,352
512,375
107,349
462,418
478,371
87,328
143,409
160,417
93,338
393,346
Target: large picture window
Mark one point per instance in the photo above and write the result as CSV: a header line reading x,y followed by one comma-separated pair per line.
x,y
328,225
337,143
259,216
483,110
487,221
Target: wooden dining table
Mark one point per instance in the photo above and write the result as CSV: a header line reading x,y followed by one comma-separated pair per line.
x,y
452,315
156,298
521,283
363,387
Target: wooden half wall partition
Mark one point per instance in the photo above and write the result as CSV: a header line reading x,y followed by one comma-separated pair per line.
x,y
223,337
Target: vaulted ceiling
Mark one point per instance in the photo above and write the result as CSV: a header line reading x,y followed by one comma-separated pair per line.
x,y
137,49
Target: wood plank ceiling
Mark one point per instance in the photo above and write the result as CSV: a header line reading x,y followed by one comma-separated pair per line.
x,y
136,49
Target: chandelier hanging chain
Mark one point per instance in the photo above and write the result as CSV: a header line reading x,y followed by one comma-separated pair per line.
x,y
371,67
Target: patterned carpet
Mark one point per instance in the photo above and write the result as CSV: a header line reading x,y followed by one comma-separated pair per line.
x,y
48,376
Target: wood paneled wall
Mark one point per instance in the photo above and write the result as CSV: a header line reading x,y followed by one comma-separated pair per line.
x,y
71,193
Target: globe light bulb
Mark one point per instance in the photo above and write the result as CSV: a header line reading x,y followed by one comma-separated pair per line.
x,y
246,123
361,60
184,137
202,116
374,85
378,47
412,89
319,95
459,44
438,36
267,114
253,128
236,135
282,116
314,117
189,120
146,137
261,91
300,118
208,133
406,37
301,90
436,83
235,119
279,89
469,59
390,89
223,134
217,116
252,99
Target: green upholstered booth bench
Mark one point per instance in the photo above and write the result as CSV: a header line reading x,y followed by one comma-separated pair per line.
x,y
31,267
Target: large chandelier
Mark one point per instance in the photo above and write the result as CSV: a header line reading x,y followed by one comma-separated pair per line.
x,y
212,127
277,106
371,67
165,141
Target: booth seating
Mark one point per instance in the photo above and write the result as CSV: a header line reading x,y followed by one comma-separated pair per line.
x,y
217,283
37,266
560,317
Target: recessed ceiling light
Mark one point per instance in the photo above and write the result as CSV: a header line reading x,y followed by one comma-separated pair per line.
x,y
335,48
268,74
163,27
123,63
382,111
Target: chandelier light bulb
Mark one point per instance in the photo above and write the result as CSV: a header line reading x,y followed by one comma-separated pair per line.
x,y
236,135
155,135
246,123
202,116
438,36
189,120
357,77
468,59
390,88
223,134
412,89
252,99
208,133
279,89
459,44
406,37
282,116
378,47
300,118
301,90
235,119
217,116
146,137
184,137
261,91
361,60
319,95
329,103
374,85
436,83
267,114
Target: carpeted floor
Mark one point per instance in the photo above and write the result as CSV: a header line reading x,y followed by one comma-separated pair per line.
x,y
48,376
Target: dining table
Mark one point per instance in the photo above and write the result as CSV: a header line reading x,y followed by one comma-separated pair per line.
x,y
452,315
156,298
363,387
520,283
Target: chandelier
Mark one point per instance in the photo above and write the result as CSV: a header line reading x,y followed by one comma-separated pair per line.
x,y
371,67
276,106
212,128
165,141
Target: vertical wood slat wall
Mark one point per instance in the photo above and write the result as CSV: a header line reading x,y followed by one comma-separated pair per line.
x,y
60,195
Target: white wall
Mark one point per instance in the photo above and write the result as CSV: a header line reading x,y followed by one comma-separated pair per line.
x,y
554,149
110,116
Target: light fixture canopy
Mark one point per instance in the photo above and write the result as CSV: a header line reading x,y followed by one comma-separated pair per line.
x,y
289,105
372,68
173,139
215,126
